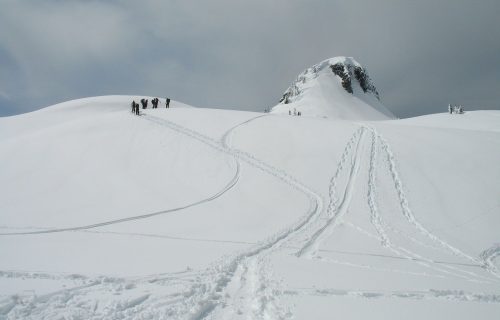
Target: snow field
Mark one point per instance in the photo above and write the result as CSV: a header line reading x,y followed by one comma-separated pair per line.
x,y
191,214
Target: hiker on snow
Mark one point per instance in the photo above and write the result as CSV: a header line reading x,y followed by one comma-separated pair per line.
x,y
144,103
135,108
155,103
167,103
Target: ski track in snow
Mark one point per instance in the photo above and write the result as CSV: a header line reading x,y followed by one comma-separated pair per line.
x,y
376,219
219,193
205,307
488,258
366,233
242,285
208,298
366,266
451,295
410,217
335,212
407,212
381,227
212,289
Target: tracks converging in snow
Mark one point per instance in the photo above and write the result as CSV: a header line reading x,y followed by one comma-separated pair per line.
x,y
335,210
246,271
242,275
488,258
383,228
243,285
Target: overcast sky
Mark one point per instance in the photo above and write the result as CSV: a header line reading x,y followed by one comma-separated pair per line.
x,y
234,54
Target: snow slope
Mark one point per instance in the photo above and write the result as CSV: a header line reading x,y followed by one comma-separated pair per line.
x,y
188,213
336,88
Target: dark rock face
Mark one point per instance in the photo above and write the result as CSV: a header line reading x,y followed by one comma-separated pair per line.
x,y
346,73
285,97
347,69
340,71
365,81
294,90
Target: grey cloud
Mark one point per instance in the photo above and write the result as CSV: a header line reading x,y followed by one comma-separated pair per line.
x,y
244,54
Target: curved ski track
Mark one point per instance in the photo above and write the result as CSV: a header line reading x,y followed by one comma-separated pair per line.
x,y
245,275
242,285
213,289
219,193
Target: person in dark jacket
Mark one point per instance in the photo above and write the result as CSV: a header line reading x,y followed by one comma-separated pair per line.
x,y
167,104
144,103
133,106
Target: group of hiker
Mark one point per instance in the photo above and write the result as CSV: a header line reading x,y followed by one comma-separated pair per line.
x,y
144,103
295,112
455,109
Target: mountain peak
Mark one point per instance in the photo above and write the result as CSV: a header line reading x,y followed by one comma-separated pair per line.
x,y
338,87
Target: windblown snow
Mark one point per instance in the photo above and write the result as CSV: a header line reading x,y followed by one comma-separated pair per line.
x,y
187,213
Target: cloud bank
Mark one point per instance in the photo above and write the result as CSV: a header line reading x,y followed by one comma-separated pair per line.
x,y
244,54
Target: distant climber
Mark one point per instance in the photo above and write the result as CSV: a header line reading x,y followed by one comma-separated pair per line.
x,y
137,111
154,102
167,103
144,103
135,108
450,109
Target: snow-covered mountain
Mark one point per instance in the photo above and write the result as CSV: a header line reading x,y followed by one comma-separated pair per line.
x,y
337,88
188,213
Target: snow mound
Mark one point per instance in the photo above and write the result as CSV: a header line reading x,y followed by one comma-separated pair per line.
x,y
338,88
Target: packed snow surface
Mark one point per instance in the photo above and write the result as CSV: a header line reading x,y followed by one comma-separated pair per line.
x,y
187,213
